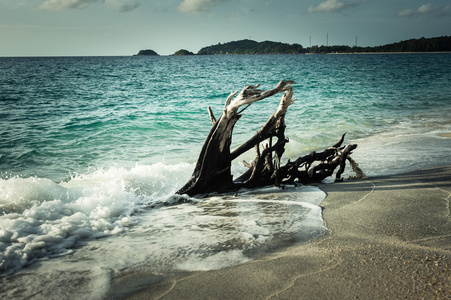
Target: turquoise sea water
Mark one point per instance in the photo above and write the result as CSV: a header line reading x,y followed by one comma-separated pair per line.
x,y
89,144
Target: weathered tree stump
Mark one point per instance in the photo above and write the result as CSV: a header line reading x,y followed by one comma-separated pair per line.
x,y
213,168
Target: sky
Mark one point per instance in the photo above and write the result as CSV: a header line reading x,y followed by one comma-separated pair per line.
x,y
123,27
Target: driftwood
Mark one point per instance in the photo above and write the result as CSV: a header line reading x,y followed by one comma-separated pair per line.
x,y
213,168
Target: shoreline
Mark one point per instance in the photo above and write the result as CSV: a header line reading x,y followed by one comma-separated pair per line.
x,y
388,237
170,55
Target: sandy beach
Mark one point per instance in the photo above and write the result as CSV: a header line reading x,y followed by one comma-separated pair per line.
x,y
389,238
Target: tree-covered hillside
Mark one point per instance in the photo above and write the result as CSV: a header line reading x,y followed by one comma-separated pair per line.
x,y
437,44
251,47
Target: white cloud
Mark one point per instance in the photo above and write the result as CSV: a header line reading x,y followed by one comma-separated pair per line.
x,y
426,10
121,5
197,6
129,6
64,4
124,5
332,6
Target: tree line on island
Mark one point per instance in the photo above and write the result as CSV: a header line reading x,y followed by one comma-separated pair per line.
x,y
436,44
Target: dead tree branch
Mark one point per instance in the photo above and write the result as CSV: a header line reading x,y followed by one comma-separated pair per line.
x,y
213,168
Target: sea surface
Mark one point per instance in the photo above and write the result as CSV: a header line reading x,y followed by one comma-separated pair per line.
x,y
92,150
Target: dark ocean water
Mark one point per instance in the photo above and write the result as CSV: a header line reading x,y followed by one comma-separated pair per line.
x,y
88,144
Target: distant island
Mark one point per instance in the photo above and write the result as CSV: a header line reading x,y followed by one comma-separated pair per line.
x,y
436,44
252,47
146,52
183,52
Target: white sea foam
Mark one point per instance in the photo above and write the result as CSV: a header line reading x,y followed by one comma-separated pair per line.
x,y
412,144
39,217
216,261
207,234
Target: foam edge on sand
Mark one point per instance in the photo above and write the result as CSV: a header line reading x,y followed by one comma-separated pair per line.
x,y
389,237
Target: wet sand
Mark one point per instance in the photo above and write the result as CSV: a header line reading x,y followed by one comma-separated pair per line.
x,y
389,238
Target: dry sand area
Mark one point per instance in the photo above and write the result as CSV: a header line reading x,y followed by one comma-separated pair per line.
x,y
389,238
